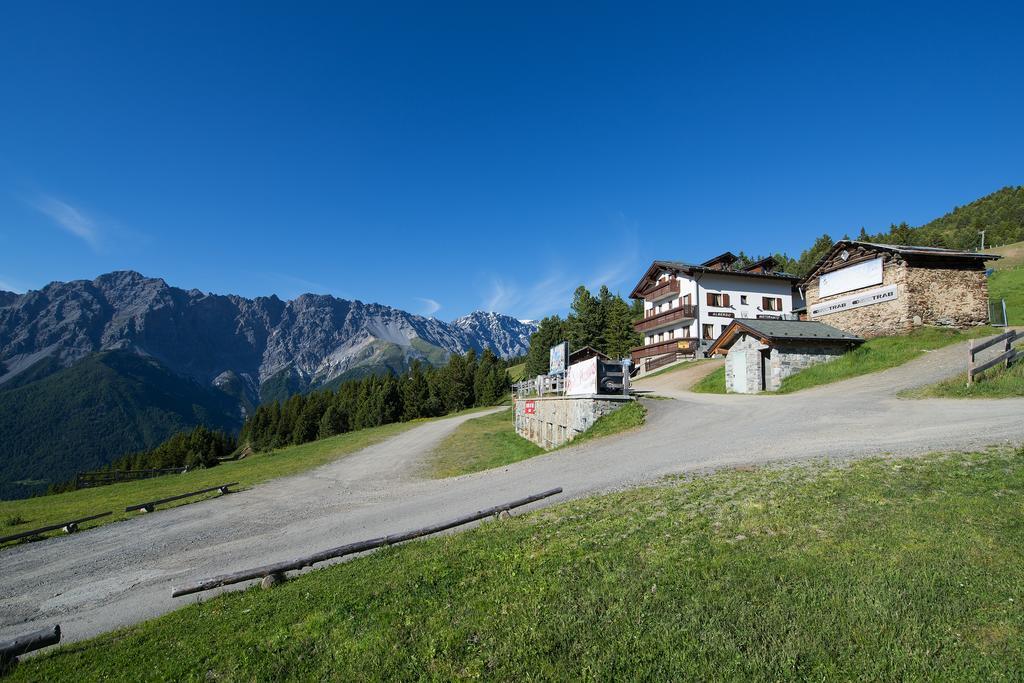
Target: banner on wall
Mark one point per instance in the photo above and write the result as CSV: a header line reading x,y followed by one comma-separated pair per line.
x,y
557,358
853,277
581,378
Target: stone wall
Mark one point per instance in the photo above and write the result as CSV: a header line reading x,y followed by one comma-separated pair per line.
x,y
743,363
948,297
558,419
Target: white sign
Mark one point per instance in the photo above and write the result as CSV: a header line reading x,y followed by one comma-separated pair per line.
x,y
872,296
581,378
853,277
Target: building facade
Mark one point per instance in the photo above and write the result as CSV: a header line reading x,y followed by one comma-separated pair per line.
x,y
874,290
687,306
759,354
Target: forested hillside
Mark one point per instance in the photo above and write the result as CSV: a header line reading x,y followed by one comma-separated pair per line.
x,y
75,418
1000,215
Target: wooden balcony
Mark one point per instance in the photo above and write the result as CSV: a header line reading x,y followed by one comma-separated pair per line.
x,y
680,345
667,289
653,322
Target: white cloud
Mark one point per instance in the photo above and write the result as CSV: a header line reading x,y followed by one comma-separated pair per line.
x,y
430,307
69,218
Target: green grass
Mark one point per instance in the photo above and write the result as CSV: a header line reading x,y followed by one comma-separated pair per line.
x,y
480,444
491,441
1009,284
880,570
516,372
685,365
46,510
873,355
712,383
998,382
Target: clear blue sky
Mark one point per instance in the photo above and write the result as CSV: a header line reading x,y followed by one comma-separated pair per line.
x,y
448,157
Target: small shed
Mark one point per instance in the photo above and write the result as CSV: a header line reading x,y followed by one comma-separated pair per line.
x,y
759,354
586,353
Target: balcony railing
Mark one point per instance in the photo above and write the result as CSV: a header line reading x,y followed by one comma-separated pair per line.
x,y
653,322
680,345
660,292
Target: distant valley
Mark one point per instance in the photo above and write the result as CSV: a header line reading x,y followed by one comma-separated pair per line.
x,y
90,370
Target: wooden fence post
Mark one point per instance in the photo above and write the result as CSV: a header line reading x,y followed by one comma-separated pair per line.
x,y
970,362
1007,348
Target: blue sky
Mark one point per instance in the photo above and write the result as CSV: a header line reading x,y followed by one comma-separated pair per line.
x,y
443,158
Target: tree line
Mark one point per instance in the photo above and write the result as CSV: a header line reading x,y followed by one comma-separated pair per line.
x,y
604,322
465,381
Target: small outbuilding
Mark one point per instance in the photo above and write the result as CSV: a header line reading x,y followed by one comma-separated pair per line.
x,y
759,354
586,353
874,290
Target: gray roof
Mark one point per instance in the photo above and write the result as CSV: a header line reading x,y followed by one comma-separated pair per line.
x,y
680,265
783,330
928,251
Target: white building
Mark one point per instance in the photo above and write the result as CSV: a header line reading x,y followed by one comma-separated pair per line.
x,y
687,306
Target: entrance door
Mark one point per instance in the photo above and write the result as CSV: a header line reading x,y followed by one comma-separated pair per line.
x,y
765,357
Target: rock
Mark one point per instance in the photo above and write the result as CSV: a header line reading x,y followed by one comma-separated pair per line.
x,y
271,580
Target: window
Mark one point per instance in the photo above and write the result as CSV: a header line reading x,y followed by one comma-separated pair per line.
x,y
771,303
723,329
709,331
718,300
743,299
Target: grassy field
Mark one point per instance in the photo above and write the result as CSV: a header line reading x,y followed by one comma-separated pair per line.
x,y
480,444
906,569
31,513
998,382
1008,280
491,441
516,372
873,355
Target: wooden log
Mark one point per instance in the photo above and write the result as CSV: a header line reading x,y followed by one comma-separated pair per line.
x,y
353,548
151,505
53,527
10,649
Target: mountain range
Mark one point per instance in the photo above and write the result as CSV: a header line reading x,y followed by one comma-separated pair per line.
x,y
90,370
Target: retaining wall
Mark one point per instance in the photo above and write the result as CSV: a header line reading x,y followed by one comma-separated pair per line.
x,y
551,421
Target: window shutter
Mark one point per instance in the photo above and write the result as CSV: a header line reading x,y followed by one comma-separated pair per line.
x,y
711,299
764,304
778,304
725,300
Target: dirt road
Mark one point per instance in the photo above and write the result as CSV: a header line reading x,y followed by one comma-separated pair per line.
x,y
123,573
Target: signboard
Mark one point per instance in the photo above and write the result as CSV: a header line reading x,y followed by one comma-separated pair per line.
x,y
872,296
722,314
863,274
557,358
530,408
581,379
765,316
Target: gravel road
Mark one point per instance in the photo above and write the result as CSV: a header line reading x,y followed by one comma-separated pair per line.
x,y
123,573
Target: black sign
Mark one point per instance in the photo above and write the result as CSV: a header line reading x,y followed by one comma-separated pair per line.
x,y
721,314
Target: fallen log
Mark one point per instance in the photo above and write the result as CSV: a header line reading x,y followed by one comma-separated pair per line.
x,y
151,505
11,649
353,548
70,526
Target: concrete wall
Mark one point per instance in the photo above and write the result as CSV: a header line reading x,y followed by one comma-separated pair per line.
x,y
925,296
743,363
559,419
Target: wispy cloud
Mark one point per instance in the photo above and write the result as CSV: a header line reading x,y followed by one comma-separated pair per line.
x,y
69,218
430,307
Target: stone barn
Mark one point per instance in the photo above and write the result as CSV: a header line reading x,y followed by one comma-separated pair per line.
x,y
762,353
874,290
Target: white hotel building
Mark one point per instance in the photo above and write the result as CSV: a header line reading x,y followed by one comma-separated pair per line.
x,y
687,306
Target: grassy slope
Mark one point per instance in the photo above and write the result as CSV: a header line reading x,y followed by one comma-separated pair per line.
x,y
45,510
883,570
516,372
1008,280
685,365
480,444
874,355
491,441
998,382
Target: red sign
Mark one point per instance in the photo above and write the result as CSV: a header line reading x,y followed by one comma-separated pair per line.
x,y
530,408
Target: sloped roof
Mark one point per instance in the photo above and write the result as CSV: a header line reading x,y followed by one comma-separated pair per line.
x,y
691,268
904,250
769,331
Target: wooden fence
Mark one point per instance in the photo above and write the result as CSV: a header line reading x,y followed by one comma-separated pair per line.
x,y
85,480
151,505
69,527
1008,355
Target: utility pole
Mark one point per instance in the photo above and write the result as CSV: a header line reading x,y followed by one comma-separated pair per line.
x,y
982,233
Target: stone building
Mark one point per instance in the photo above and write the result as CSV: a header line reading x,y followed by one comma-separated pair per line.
x,y
874,290
762,353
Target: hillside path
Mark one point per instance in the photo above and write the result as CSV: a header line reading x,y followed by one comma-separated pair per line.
x,y
122,573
